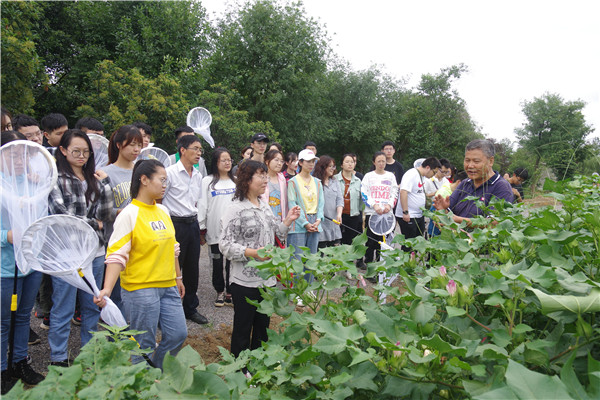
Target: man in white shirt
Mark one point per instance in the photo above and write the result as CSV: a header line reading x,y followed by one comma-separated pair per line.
x,y
184,131
412,198
181,198
438,180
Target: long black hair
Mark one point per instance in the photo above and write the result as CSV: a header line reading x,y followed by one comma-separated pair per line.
x,y
142,168
214,166
124,135
89,168
245,174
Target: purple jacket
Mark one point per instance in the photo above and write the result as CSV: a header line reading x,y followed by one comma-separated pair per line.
x,y
495,186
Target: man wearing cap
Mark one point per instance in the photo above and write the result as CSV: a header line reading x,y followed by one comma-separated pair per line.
x,y
259,144
483,183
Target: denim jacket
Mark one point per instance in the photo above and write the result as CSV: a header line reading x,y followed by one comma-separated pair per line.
x,y
356,203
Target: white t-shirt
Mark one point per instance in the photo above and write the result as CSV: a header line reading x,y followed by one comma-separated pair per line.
x,y
413,183
378,189
432,185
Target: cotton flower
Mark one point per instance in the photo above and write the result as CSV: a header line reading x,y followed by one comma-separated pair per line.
x,y
397,353
451,287
443,271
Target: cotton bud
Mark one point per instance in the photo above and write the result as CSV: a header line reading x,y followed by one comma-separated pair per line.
x,y
397,353
451,287
443,271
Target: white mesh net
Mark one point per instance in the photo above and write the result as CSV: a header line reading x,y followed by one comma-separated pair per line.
x,y
28,174
100,147
199,119
155,153
382,224
61,246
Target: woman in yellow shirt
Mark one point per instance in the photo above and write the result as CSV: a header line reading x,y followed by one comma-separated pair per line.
x,y
143,252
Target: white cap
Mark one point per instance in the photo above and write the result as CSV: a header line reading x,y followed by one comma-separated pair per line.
x,y
418,162
307,155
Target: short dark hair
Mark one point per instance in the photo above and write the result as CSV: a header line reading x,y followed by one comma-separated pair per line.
x,y
521,173
89,123
278,146
21,120
11,136
182,129
142,125
431,162
245,174
309,143
142,167
53,121
388,143
186,141
445,163
271,154
377,154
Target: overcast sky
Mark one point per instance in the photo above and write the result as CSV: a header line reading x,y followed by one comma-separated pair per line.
x,y
515,50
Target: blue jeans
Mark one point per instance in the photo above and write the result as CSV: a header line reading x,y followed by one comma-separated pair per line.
x,y
145,308
63,307
305,239
27,288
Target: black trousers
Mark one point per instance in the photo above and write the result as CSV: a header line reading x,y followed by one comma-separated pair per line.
x,y
373,245
249,326
351,222
187,235
412,229
219,283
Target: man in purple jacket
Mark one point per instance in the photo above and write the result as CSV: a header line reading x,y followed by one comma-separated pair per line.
x,y
483,183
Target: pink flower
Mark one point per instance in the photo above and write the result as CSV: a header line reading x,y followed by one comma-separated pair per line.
x,y
397,353
451,287
412,256
443,271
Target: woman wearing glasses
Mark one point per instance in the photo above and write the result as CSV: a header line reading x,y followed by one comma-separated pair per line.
x,y
276,192
143,251
84,193
217,192
333,202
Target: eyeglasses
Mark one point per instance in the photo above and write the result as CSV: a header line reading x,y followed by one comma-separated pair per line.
x,y
331,167
263,177
196,149
228,161
79,153
164,181
33,134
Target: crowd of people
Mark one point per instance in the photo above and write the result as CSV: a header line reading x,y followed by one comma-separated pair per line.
x,y
152,220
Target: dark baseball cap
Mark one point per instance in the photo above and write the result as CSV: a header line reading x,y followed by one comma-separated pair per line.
x,y
259,137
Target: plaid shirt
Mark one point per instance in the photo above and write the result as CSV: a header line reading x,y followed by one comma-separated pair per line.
x,y
68,197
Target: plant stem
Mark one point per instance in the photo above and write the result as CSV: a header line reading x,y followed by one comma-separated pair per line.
x,y
478,323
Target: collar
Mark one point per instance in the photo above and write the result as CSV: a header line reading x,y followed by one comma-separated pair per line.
x,y
490,182
181,167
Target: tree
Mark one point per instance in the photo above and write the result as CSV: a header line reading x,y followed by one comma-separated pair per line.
x,y
434,120
555,132
75,36
22,68
272,55
122,97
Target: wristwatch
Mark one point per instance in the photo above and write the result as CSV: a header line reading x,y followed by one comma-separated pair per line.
x,y
405,212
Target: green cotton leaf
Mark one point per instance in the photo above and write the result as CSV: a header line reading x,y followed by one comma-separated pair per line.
x,y
415,355
363,375
493,284
495,300
577,283
311,373
501,393
305,355
380,323
190,357
440,345
521,328
535,234
501,337
569,378
352,332
422,312
574,304
340,378
330,345
547,220
528,384
455,311
492,351
460,364
562,237
594,377
359,356
206,383
176,373
549,255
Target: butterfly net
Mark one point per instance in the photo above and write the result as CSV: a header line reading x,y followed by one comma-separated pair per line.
x,y
100,148
28,174
155,153
63,246
199,119
382,224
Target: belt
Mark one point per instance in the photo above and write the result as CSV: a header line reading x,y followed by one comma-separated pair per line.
x,y
187,220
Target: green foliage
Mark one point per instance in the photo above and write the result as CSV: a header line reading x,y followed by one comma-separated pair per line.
x,y
505,310
123,96
555,132
22,68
